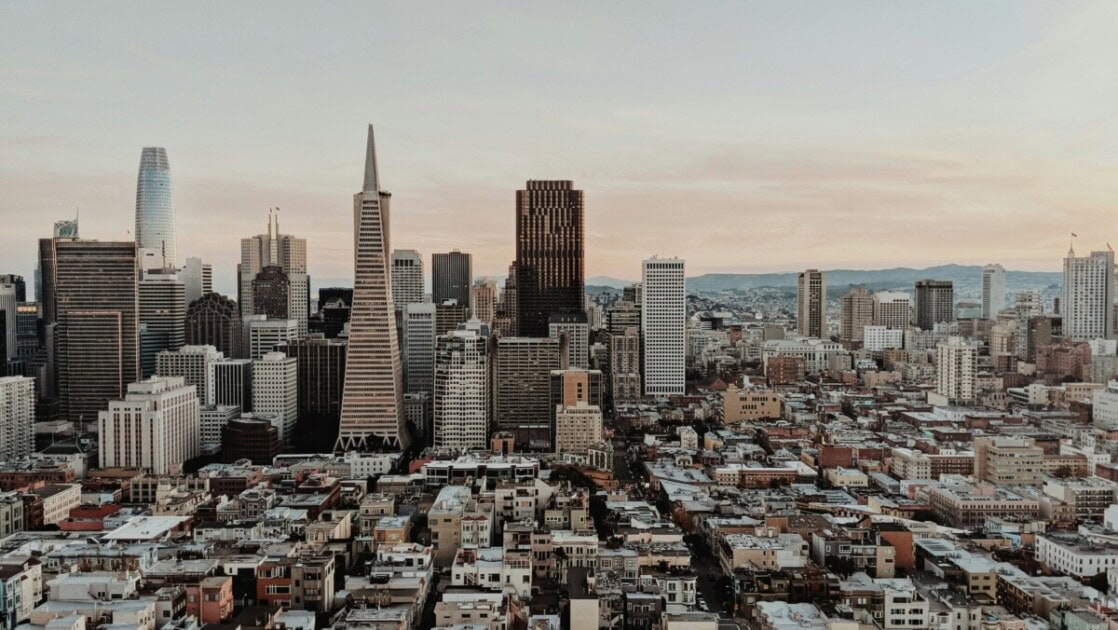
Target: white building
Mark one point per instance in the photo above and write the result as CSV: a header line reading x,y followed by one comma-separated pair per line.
x,y
878,338
577,427
197,278
993,291
213,419
17,417
407,277
419,348
956,367
156,426
461,401
1074,556
816,353
664,326
275,391
265,334
1104,407
1088,304
577,330
892,309
192,363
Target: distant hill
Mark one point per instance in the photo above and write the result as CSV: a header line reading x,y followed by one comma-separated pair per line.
x,y
965,277
607,281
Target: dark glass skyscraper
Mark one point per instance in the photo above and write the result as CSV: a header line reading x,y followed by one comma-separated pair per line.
x,y
451,276
550,266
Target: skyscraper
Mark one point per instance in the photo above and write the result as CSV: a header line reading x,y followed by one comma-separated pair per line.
x,y
577,331
993,290
193,364
17,417
215,320
625,365
811,304
155,426
197,278
373,400
483,301
407,277
162,316
280,250
550,265
265,334
419,347
275,391
155,211
270,293
521,387
1089,289
451,276
664,326
956,366
857,313
9,305
321,364
90,295
935,303
461,383
892,309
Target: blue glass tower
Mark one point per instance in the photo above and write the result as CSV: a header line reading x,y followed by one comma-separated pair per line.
x,y
155,210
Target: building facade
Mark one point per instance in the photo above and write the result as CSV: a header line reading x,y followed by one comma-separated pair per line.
x,y
550,264
664,326
155,427
811,304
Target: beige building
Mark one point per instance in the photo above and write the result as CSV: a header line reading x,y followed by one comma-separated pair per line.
x,y
577,427
747,405
967,505
1004,460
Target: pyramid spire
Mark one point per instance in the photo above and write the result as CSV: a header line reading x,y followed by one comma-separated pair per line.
x,y
372,181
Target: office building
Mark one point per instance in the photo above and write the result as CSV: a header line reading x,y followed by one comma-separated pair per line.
x,y
935,303
213,419
373,400
663,326
407,277
451,277
449,314
623,315
892,309
419,348
17,282
993,291
271,293
508,311
625,365
550,264
522,385
215,320
1088,304
253,437
575,395
483,300
9,305
275,391
197,279
17,417
162,299
811,304
956,369
265,334
461,392
321,374
193,365
230,383
155,211
275,250
90,297
155,427
857,313
577,331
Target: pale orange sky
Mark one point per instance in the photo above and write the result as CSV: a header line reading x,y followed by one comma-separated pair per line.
x,y
744,137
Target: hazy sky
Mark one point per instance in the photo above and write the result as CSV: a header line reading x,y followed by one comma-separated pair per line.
x,y
742,136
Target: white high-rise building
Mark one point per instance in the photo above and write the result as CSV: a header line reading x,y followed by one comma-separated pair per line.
x,y
213,420
956,367
461,400
892,309
577,330
279,250
407,277
275,391
811,304
197,277
664,326
993,291
1088,305
265,334
156,427
419,347
17,417
193,364
878,338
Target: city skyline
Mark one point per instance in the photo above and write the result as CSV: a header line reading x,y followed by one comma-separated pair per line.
x,y
970,144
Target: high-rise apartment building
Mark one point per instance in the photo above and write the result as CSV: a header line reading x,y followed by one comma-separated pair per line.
x,y
231,383
461,392
214,320
1089,291
575,327
993,291
811,304
373,400
550,264
275,391
419,348
321,365
451,277
162,299
193,365
935,303
90,298
197,279
892,309
155,211
664,326
156,426
625,365
407,277
522,385
265,334
483,298
956,369
279,250
17,417
857,313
